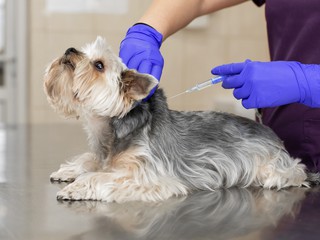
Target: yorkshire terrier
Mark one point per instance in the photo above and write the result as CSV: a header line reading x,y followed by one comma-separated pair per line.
x,y
142,150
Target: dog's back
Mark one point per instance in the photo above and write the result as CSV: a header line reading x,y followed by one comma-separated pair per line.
x,y
208,150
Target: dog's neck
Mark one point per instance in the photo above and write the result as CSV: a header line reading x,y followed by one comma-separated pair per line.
x,y
107,136
100,135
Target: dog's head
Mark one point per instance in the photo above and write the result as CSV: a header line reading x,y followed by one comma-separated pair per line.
x,y
94,81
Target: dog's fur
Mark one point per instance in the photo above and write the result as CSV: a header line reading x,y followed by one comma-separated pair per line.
x,y
144,151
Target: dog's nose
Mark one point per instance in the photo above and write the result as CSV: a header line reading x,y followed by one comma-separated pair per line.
x,y
70,50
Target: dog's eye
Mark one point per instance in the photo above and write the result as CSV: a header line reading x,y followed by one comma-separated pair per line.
x,y
99,65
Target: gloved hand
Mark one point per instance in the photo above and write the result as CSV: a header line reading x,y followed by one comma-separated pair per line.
x,y
271,84
140,50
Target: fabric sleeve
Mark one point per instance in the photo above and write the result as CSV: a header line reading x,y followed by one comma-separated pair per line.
x,y
259,2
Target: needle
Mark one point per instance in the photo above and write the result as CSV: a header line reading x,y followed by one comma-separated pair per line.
x,y
177,95
201,86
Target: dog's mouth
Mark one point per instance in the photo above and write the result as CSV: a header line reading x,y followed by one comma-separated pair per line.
x,y
70,57
69,64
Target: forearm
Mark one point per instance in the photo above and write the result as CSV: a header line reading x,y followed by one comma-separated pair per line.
x,y
169,16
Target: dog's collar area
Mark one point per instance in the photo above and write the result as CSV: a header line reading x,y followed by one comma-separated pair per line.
x,y
136,104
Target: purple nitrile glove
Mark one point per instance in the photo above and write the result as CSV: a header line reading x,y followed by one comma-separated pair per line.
x,y
271,84
140,50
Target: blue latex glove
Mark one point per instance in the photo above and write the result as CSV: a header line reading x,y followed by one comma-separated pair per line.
x,y
271,84
140,50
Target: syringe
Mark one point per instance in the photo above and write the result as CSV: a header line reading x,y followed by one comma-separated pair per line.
x,y
203,85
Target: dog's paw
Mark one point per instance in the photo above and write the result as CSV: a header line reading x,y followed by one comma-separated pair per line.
x,y
82,189
63,176
76,191
79,165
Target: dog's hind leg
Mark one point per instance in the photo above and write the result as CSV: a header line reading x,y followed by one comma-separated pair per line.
x,y
69,171
282,172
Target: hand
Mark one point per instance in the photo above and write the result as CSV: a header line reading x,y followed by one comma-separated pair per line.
x,y
140,50
271,84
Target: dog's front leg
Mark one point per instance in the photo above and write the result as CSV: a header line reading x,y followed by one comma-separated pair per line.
x,y
77,166
114,187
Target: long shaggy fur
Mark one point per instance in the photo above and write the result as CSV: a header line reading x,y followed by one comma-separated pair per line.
x,y
145,151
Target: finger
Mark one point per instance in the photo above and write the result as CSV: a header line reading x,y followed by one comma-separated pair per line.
x,y
229,69
134,62
241,93
156,71
248,103
233,82
145,67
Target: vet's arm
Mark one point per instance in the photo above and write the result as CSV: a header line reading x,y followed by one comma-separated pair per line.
x,y
168,16
140,49
271,84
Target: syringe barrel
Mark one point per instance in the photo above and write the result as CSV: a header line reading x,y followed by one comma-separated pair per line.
x,y
207,83
204,84
210,82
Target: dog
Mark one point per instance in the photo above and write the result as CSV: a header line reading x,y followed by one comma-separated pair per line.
x,y
142,150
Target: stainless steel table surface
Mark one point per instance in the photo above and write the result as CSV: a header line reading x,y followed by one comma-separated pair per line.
x,y
29,209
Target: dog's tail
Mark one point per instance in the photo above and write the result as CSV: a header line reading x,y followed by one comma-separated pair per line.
x,y
313,178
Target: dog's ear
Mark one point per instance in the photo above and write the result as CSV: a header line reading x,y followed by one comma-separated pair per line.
x,y
137,85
